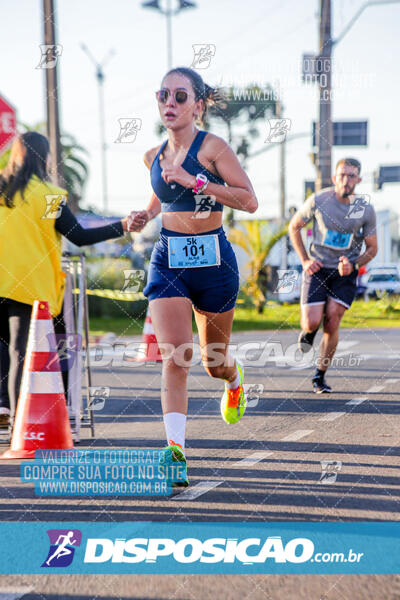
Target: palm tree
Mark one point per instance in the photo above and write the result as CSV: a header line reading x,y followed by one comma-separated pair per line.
x,y
257,245
75,168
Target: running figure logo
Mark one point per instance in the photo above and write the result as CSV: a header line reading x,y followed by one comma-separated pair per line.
x,y
203,54
54,204
252,392
128,130
62,547
49,55
277,130
63,348
330,470
287,281
133,280
357,206
204,205
98,397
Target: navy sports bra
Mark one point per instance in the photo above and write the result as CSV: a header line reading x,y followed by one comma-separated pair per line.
x,y
173,196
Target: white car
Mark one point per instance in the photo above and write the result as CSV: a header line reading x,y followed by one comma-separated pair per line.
x,y
382,280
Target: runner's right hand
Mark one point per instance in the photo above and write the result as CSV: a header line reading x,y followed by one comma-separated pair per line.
x,y
137,220
311,266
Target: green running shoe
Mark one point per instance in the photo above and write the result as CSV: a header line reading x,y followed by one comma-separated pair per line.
x,y
174,453
233,402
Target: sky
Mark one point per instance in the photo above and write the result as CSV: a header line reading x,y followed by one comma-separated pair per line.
x,y
258,41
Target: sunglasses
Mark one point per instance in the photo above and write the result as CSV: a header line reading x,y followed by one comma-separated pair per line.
x,y
180,96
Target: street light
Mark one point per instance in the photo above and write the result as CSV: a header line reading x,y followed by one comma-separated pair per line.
x,y
169,12
100,80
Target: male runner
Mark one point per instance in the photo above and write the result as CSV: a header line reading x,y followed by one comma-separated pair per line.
x,y
342,222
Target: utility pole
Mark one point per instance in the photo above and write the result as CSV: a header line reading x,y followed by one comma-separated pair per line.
x,y
100,80
324,128
282,187
53,120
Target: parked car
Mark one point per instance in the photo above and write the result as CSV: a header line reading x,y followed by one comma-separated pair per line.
x,y
382,281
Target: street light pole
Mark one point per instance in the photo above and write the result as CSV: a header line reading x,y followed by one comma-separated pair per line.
x,y
103,144
169,13
53,119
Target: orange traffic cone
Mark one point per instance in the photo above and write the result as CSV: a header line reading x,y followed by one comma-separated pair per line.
x,y
149,350
41,420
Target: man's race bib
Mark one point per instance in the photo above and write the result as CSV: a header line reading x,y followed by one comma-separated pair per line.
x,y
337,240
193,251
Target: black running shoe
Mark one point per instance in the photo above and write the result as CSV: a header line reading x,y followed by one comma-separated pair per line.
x,y
320,386
306,340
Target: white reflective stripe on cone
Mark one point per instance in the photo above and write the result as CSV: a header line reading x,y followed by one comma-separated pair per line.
x,y
42,383
39,340
148,328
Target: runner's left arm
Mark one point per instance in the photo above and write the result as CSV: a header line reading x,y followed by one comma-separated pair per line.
x,y
371,250
370,238
238,192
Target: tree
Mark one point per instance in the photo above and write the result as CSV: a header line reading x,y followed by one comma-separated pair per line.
x,y
257,245
243,108
76,170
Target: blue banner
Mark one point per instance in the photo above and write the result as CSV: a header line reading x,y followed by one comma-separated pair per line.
x,y
192,548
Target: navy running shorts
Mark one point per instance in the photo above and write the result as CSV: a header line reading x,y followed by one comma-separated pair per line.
x,y
211,289
327,283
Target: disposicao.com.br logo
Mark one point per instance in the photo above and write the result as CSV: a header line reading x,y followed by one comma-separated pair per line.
x,y
247,551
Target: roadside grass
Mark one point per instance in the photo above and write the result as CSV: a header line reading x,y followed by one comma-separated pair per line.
x,y
373,314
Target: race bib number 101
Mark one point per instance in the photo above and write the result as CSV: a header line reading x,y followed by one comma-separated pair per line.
x,y
194,251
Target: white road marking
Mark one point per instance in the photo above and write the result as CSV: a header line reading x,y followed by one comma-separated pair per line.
x,y
197,490
356,401
343,348
392,380
382,356
375,389
297,435
252,458
344,345
332,416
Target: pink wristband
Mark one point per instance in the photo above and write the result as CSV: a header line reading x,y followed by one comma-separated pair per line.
x,y
201,183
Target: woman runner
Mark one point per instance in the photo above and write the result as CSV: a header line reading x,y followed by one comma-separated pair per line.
x,y
193,175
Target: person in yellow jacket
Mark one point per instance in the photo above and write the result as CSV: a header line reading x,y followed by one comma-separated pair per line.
x,y
33,217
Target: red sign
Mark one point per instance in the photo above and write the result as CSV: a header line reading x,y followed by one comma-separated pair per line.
x,y
8,124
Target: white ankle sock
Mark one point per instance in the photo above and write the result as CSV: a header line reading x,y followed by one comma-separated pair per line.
x,y
232,385
175,426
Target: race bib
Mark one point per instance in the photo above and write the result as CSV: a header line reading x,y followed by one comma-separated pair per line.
x,y
337,240
193,251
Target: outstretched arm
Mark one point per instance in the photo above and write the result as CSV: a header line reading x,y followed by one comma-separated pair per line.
x,y
67,225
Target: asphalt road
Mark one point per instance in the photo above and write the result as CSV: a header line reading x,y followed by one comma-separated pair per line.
x,y
294,456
